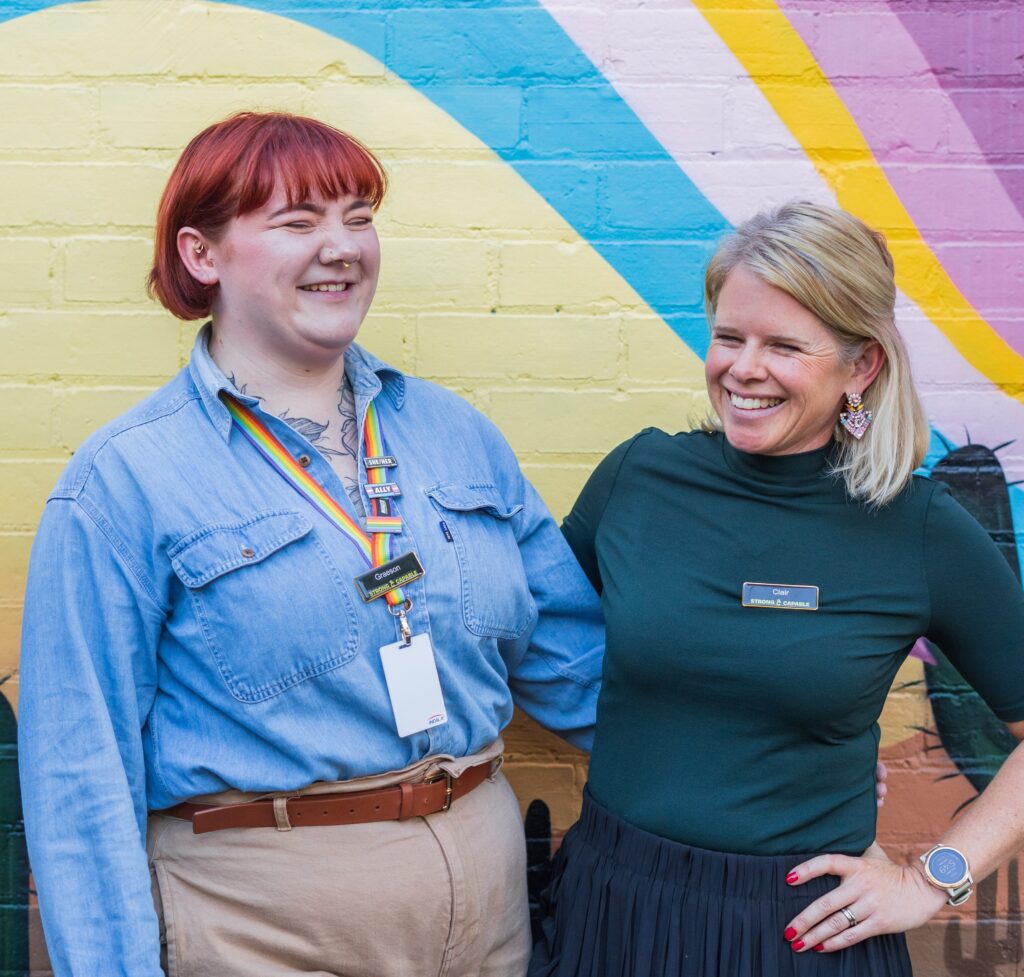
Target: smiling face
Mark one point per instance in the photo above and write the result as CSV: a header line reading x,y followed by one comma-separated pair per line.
x,y
295,280
774,371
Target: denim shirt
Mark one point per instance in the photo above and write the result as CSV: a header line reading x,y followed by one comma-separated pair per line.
x,y
191,625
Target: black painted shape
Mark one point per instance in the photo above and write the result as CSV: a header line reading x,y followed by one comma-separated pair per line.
x,y
976,480
996,943
13,856
538,859
976,741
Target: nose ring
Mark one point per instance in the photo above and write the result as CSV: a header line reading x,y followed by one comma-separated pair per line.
x,y
329,256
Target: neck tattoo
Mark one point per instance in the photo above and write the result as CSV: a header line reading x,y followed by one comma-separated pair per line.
x,y
336,438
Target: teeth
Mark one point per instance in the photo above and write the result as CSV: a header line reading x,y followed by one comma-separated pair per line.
x,y
753,403
324,288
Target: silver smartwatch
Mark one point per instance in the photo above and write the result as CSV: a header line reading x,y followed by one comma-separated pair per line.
x,y
946,868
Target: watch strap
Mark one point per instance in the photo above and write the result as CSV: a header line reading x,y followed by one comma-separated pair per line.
x,y
960,895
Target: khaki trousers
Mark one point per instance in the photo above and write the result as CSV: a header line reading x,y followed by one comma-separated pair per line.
x,y
440,896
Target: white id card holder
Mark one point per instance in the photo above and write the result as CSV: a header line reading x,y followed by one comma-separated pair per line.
x,y
413,685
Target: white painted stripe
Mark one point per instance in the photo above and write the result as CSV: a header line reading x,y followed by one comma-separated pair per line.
x,y
688,88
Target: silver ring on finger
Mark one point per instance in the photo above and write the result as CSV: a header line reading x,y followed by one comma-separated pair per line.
x,y
850,918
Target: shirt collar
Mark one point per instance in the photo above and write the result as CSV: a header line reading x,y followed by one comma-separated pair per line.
x,y
367,374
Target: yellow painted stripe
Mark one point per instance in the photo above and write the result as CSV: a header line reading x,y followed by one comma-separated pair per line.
x,y
776,58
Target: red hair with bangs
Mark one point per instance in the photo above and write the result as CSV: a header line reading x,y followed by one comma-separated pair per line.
x,y
233,168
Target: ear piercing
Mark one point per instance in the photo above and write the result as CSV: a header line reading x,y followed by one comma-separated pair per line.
x,y
855,418
199,247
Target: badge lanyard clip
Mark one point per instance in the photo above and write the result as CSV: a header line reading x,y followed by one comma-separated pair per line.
x,y
403,621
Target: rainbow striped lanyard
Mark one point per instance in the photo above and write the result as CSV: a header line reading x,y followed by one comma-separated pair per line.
x,y
374,547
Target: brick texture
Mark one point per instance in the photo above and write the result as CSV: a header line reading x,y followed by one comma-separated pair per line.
x,y
485,288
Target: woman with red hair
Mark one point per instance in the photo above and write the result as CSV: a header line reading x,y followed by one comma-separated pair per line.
x,y
277,616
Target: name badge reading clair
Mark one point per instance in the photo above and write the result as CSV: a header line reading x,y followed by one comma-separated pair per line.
x,y
781,596
395,573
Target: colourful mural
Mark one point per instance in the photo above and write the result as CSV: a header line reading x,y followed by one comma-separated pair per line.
x,y
560,173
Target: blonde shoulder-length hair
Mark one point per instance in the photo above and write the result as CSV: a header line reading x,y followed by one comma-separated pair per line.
x,y
838,268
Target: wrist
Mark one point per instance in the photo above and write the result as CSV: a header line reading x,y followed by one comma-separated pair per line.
x,y
934,897
947,870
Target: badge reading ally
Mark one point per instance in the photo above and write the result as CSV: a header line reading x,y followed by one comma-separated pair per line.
x,y
781,596
378,490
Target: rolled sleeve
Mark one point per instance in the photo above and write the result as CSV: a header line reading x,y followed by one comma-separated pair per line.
x,y
88,675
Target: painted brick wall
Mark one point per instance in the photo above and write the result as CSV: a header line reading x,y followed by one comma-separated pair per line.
x,y
560,171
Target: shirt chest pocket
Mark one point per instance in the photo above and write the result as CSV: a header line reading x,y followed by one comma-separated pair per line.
x,y
496,599
272,605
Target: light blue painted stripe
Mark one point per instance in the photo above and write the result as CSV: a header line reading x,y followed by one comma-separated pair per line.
x,y
9,9
938,447
507,72
1017,512
510,75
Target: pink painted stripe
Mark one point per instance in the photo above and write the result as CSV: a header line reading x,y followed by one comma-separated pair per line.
x,y
926,149
671,68
974,48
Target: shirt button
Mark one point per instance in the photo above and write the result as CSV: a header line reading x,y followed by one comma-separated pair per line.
x,y
304,460
248,552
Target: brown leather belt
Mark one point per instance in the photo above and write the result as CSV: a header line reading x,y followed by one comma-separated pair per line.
x,y
397,803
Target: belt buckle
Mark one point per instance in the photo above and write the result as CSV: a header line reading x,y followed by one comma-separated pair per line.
x,y
448,780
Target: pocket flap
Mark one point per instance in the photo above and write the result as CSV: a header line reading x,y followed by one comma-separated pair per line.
x,y
477,496
209,552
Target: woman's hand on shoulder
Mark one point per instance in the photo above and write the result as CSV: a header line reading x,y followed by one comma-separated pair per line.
x,y
875,896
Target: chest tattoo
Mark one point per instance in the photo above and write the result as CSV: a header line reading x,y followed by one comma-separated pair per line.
x,y
337,438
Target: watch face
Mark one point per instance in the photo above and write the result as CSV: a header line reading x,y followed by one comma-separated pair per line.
x,y
947,866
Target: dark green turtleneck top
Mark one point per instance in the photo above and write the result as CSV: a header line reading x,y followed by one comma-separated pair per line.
x,y
754,729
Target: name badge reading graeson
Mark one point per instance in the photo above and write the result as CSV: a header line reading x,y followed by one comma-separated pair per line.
x,y
395,573
781,596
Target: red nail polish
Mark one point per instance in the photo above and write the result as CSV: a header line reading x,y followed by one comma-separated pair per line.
x,y
792,877
790,933
818,948
799,945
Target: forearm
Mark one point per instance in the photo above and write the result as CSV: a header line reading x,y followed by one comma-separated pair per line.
x,y
88,667
555,669
96,903
991,830
83,825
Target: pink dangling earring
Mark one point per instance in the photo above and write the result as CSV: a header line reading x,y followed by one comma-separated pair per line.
x,y
855,418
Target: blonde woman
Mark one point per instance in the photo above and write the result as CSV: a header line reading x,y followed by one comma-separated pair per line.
x,y
762,581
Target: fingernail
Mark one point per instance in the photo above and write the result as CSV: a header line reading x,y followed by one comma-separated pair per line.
x,y
790,933
792,877
798,945
818,948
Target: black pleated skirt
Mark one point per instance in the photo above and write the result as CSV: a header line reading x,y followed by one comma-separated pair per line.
x,y
626,903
